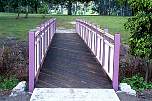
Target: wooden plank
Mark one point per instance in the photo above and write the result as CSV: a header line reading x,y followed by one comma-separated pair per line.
x,y
70,63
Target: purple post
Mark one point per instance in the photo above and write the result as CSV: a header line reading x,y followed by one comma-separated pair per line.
x,y
116,61
31,60
106,29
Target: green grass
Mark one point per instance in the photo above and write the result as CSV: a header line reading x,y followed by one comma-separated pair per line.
x,y
114,23
9,26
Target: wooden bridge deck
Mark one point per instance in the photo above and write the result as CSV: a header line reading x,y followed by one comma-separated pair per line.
x,y
70,64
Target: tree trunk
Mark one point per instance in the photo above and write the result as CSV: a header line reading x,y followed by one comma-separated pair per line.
x,y
76,8
100,8
36,7
18,15
69,8
1,7
100,13
27,10
18,11
61,9
133,12
146,76
148,72
36,11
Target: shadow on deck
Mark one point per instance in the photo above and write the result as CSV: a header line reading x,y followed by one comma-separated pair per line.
x,y
70,64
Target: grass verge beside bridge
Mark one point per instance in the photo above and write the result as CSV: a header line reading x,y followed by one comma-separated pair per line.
x,y
18,28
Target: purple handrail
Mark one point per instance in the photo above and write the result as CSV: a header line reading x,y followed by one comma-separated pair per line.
x,y
104,46
39,41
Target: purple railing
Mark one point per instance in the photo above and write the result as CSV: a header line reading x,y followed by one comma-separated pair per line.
x,y
39,41
105,47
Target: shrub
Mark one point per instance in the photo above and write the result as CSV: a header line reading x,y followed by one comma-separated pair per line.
x,y
14,60
130,65
137,83
8,83
140,27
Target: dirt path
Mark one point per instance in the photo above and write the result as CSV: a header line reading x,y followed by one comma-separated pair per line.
x,y
21,97
126,97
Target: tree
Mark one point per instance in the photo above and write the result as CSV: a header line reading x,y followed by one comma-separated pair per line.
x,y
30,3
26,3
106,7
17,6
2,5
140,27
43,9
5,5
68,3
123,5
141,6
35,4
101,7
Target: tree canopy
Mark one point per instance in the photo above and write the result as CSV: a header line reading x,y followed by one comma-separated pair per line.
x,y
103,7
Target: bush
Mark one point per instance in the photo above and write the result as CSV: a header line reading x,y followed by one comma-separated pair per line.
x,y
137,83
130,65
140,27
11,58
14,60
8,83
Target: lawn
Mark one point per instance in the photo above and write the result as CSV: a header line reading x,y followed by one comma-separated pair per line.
x,y
12,27
9,26
114,23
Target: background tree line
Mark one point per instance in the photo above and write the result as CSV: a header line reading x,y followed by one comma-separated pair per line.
x,y
109,7
103,7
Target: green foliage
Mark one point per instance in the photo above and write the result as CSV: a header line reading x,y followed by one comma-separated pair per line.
x,y
17,5
140,27
8,83
140,41
141,5
137,83
43,9
122,2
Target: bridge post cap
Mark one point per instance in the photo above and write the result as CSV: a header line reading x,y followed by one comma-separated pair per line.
x,y
106,30
38,27
33,30
96,25
86,22
117,33
77,20
53,18
42,24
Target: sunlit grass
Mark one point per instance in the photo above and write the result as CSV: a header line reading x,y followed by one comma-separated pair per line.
x,y
10,26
